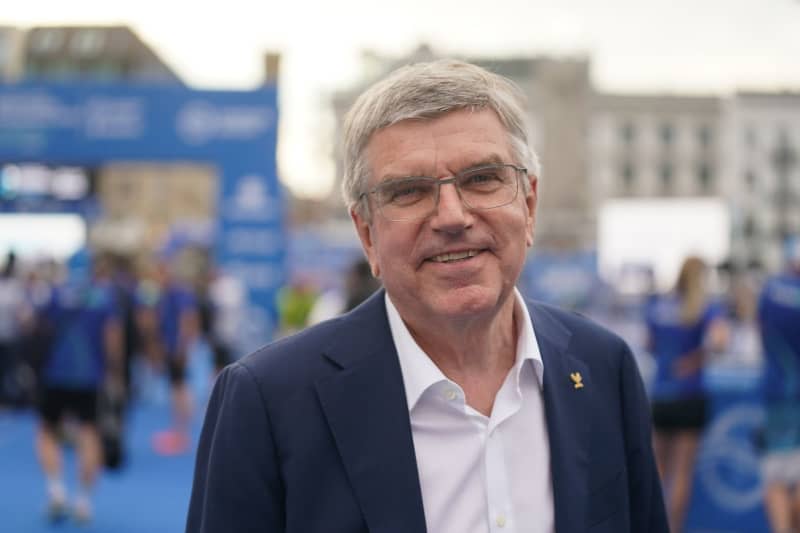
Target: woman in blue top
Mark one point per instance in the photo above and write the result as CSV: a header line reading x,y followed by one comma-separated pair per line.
x,y
681,325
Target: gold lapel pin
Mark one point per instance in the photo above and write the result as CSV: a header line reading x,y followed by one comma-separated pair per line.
x,y
577,379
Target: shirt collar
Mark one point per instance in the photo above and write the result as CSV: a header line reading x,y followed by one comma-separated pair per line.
x,y
420,373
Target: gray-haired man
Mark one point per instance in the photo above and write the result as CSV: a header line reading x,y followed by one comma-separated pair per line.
x,y
446,402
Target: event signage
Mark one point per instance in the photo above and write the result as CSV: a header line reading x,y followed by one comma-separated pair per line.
x,y
87,125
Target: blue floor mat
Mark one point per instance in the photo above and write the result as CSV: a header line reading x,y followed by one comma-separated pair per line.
x,y
149,494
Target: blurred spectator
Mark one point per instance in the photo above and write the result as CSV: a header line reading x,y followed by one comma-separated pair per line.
x,y
12,315
359,285
38,285
84,354
295,302
169,324
744,344
124,282
779,318
222,307
682,326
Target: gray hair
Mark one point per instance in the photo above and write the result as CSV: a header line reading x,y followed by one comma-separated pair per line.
x,y
430,90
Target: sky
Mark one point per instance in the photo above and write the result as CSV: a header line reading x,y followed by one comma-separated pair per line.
x,y
677,46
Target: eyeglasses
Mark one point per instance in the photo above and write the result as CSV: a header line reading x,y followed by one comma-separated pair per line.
x,y
486,187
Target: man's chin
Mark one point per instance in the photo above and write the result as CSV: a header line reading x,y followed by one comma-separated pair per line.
x,y
466,302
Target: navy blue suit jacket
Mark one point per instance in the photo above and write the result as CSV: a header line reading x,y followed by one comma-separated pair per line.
x,y
311,434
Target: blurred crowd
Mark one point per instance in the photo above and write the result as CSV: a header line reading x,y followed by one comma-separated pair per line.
x,y
155,306
75,332
719,318
73,337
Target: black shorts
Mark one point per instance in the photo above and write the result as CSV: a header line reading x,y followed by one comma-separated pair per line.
x,y
176,367
680,414
55,402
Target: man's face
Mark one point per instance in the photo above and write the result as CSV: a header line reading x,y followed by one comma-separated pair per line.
x,y
409,256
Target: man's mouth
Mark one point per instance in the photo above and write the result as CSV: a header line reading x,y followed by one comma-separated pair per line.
x,y
454,256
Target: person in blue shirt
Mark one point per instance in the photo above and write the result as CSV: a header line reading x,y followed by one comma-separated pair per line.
x,y
682,326
169,322
85,354
779,321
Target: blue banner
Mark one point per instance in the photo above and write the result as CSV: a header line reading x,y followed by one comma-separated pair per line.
x,y
566,279
728,491
236,131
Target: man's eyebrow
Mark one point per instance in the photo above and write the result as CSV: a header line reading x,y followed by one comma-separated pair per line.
x,y
492,159
395,176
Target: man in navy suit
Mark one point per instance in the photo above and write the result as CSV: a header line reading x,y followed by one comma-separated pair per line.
x,y
445,403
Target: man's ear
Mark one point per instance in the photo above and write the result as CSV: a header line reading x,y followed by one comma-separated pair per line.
x,y
531,198
366,235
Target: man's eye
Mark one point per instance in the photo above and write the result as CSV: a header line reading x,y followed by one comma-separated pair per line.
x,y
404,193
484,176
484,179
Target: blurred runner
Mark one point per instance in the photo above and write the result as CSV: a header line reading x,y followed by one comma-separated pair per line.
x,y
12,315
779,318
169,324
124,282
85,354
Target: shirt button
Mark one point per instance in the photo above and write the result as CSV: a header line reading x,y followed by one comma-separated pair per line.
x,y
451,394
500,520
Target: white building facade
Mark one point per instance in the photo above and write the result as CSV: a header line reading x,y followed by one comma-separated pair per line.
x,y
743,149
762,161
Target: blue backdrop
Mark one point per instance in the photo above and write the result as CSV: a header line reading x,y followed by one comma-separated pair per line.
x,y
90,124
728,490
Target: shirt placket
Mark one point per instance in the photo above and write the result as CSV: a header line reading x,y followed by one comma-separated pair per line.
x,y
507,403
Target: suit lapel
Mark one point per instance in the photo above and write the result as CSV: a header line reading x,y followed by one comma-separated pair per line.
x,y
366,409
568,421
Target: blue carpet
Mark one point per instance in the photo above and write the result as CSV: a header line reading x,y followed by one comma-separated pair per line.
x,y
150,494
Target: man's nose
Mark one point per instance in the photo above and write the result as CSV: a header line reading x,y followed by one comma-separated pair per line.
x,y
451,214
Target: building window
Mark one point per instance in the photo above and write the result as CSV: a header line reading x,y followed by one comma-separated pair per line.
x,y
665,174
750,137
704,135
756,262
627,132
667,134
46,40
704,177
87,43
750,180
628,173
749,228
783,229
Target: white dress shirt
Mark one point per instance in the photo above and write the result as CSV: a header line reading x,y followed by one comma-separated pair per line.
x,y
479,474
